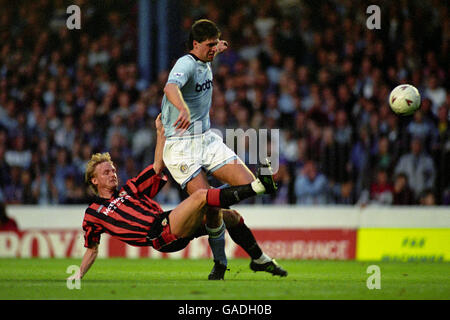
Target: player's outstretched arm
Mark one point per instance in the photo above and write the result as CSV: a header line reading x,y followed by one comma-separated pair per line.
x,y
158,163
175,97
88,260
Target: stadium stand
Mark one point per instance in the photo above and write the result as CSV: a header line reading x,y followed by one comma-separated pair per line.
x,y
310,68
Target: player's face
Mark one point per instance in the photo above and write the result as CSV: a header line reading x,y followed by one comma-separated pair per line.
x,y
206,50
105,176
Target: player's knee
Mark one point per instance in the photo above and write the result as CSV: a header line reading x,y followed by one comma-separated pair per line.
x,y
200,196
231,217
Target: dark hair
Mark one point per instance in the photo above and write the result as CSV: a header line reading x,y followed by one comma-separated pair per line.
x,y
202,30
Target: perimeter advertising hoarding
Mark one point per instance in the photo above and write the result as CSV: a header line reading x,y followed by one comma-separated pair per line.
x,y
292,232
414,244
339,244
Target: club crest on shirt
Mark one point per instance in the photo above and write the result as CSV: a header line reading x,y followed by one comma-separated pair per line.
x,y
183,167
164,222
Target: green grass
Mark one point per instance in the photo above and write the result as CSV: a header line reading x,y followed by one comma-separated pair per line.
x,y
24,279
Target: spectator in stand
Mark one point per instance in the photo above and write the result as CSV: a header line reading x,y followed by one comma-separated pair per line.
x,y
427,198
13,189
311,186
446,197
6,223
287,66
27,196
282,178
65,135
402,193
418,166
360,160
381,190
443,122
344,131
75,192
435,92
4,167
346,193
382,157
329,160
422,129
19,155
442,150
63,168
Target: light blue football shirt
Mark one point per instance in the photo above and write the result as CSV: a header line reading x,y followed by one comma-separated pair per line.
x,y
194,78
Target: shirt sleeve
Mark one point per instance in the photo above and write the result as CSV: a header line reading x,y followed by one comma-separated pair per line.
x,y
147,182
181,71
92,233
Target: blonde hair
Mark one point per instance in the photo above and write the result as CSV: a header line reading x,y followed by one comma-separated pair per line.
x,y
96,159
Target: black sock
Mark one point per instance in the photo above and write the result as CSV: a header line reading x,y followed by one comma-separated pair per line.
x,y
230,195
243,236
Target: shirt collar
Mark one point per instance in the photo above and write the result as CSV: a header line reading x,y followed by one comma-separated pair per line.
x,y
101,199
197,59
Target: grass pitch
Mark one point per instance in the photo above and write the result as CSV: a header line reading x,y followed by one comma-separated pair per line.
x,y
165,279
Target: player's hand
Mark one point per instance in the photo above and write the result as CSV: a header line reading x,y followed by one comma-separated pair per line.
x,y
183,121
75,276
222,46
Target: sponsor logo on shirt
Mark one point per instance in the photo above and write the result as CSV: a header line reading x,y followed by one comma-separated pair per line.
x,y
204,86
113,205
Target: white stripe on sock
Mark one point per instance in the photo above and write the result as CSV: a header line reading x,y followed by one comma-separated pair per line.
x,y
258,187
263,259
216,232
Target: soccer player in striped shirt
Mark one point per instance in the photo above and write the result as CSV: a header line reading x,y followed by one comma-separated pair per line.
x,y
192,151
131,215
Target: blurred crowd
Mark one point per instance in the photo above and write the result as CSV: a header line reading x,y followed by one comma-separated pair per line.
x,y
311,69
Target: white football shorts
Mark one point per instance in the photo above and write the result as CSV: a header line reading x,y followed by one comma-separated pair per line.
x,y
186,156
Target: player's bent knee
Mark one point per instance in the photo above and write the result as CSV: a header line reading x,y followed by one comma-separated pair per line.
x,y
180,233
185,228
200,196
231,217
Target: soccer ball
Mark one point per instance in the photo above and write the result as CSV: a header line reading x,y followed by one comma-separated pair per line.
x,y
404,99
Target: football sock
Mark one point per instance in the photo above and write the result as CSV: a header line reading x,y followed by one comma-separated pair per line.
x,y
263,259
216,240
228,196
258,187
243,236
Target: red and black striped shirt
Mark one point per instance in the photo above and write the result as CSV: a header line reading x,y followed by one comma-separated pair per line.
x,y
128,214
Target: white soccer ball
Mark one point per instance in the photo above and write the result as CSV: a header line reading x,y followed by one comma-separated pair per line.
x,y
404,99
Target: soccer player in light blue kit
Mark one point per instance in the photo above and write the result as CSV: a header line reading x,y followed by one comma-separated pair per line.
x,y
192,151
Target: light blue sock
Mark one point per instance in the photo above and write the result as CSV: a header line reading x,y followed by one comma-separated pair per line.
x,y
216,242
